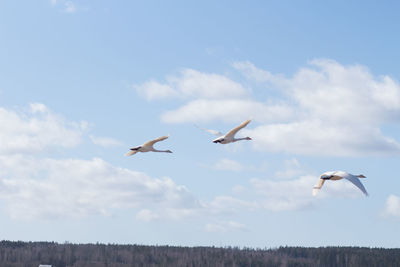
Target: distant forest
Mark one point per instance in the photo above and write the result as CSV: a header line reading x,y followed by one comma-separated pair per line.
x,y
28,254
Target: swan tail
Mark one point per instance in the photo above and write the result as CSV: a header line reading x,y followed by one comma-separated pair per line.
x,y
130,153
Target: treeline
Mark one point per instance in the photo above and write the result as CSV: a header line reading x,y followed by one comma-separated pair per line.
x,y
28,254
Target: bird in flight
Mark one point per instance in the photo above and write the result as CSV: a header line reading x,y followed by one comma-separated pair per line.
x,y
230,136
148,146
338,175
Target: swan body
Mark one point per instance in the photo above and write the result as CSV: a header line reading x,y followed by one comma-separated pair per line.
x,y
338,175
230,136
148,146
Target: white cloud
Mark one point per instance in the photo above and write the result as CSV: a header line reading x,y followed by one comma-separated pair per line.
x,y
38,108
146,215
104,141
37,130
69,7
335,93
229,110
278,195
392,206
224,227
48,189
318,138
325,108
252,72
292,169
192,84
33,186
345,94
342,109
153,90
206,85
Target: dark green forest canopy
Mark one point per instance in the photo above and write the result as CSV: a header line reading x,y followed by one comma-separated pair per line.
x,y
18,253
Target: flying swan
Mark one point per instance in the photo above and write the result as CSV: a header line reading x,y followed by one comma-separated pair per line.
x,y
338,175
230,136
148,146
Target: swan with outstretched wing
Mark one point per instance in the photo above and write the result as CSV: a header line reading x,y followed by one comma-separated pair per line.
x,y
148,146
338,175
230,136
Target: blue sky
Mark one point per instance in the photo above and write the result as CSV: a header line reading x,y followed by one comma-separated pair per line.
x,y
83,81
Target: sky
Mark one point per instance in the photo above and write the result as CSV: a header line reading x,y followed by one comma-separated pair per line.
x,y
81,82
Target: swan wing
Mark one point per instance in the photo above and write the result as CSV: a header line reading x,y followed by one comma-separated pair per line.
x,y
152,142
318,186
214,132
232,132
354,179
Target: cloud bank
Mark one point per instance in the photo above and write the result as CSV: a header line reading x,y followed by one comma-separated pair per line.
x,y
37,130
49,188
34,186
325,108
392,206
